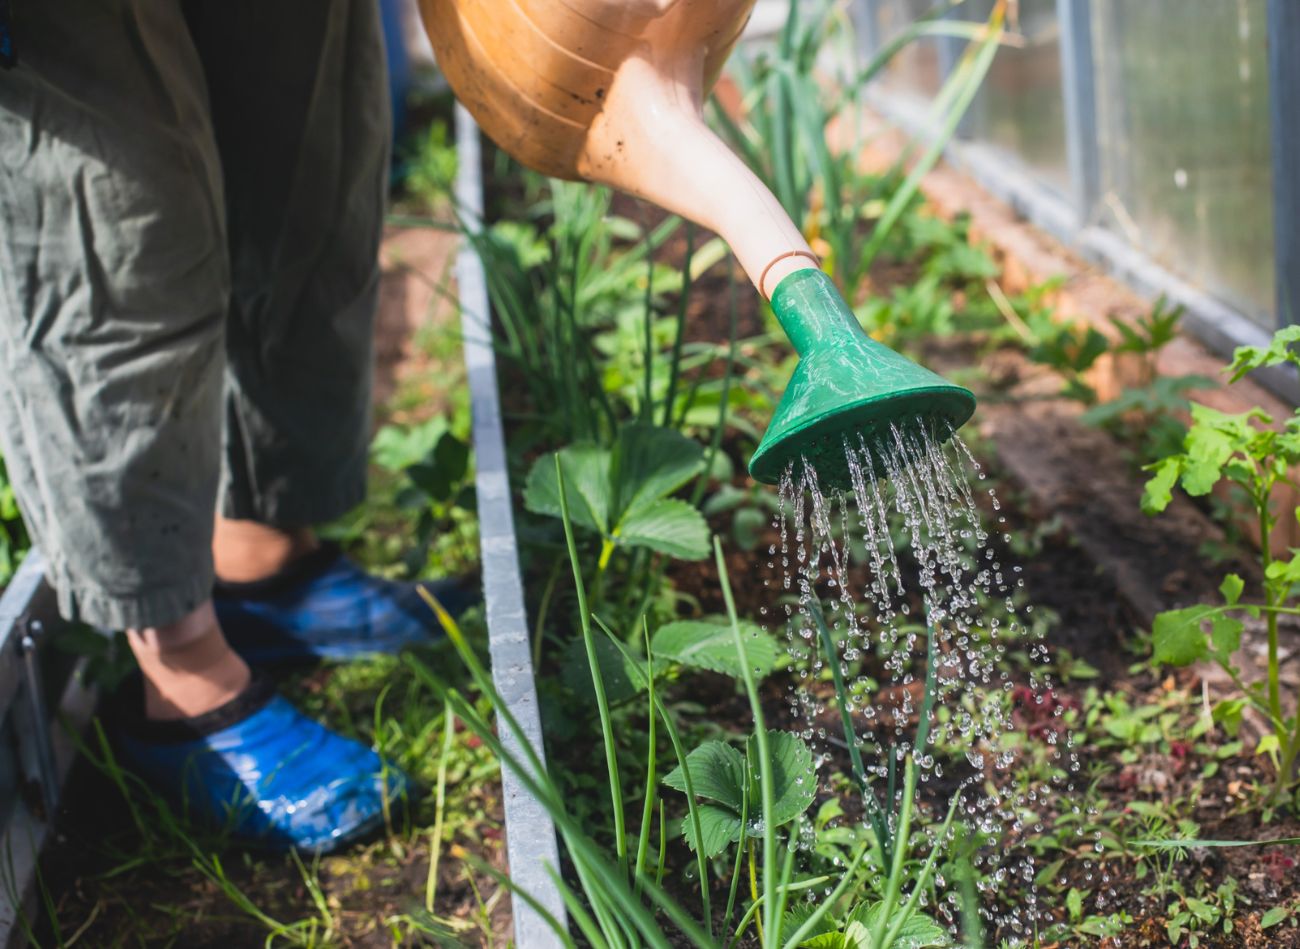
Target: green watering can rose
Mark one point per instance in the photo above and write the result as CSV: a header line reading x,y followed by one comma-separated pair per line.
x,y
846,386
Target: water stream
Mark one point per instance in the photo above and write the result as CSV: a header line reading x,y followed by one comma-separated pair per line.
x,y
911,582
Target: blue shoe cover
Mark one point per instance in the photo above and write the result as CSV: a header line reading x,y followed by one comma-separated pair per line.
x,y
264,772
326,607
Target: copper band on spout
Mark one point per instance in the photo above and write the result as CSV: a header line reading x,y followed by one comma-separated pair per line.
x,y
762,279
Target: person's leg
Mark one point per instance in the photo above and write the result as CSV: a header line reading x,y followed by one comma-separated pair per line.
x,y
300,107
114,276
248,551
299,102
113,301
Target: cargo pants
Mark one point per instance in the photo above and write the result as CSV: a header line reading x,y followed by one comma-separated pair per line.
x,y
191,200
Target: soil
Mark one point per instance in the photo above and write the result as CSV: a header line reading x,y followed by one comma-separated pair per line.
x,y
166,902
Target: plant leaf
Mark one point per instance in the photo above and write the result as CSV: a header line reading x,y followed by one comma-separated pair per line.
x,y
1160,486
1276,915
854,937
651,463
709,644
1231,588
719,826
799,914
586,480
1178,638
396,448
668,526
919,932
717,773
1225,636
623,679
794,782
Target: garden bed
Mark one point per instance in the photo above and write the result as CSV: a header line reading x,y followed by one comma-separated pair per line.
x,y
1097,571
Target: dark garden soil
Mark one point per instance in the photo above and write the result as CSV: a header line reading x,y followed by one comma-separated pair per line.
x,y
98,893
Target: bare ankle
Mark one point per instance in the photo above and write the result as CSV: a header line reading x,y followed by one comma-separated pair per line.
x,y
188,667
246,551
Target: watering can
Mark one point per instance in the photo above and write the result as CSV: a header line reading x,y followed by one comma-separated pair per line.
x,y
612,92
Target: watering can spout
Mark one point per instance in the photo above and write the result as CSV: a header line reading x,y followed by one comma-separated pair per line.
x,y
848,390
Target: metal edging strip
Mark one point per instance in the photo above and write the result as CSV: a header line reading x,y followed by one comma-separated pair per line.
x,y
531,846
46,746
14,604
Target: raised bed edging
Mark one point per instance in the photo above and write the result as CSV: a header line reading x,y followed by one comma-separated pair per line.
x,y
530,834
37,746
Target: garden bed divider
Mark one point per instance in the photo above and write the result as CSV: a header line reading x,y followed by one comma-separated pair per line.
x,y
37,744
530,834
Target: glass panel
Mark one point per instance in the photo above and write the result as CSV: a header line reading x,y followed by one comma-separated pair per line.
x,y
1182,103
916,67
1020,107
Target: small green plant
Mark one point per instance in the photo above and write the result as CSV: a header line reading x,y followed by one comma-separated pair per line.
x,y
1249,451
1071,349
1194,917
14,542
423,492
727,781
1149,413
428,166
1284,913
1147,335
1148,416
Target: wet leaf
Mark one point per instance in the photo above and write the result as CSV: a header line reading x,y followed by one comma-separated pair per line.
x,y
709,644
919,932
718,773
718,828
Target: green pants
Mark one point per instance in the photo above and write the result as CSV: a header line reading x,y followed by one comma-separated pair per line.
x,y
191,197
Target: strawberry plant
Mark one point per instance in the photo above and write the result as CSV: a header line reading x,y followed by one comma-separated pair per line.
x,y
623,494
